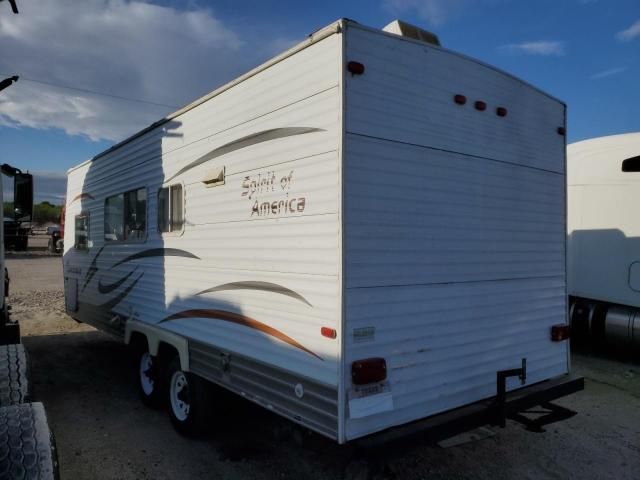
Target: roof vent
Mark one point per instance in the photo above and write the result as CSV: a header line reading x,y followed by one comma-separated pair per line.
x,y
411,31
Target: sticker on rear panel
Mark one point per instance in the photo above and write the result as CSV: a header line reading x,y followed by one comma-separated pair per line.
x,y
371,400
364,334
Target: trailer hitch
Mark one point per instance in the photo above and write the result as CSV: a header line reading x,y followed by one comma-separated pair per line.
x,y
501,397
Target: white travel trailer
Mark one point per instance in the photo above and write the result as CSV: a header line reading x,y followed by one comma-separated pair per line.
x,y
360,233
603,176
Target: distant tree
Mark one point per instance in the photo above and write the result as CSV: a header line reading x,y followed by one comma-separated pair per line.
x,y
46,212
8,209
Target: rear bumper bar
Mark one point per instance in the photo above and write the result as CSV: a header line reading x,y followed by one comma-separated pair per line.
x,y
486,412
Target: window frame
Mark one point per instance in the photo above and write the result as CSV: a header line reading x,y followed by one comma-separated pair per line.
x,y
84,213
171,233
146,217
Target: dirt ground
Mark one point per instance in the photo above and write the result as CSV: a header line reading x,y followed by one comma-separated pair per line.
x,y
103,431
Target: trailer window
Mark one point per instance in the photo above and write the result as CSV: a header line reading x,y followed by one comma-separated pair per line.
x,y
81,241
125,216
170,208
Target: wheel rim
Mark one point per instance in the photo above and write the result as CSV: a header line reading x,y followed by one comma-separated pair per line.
x,y
146,375
179,393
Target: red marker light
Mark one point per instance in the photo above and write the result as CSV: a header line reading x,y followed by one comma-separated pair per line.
x,y
369,370
460,99
356,68
560,333
328,332
480,105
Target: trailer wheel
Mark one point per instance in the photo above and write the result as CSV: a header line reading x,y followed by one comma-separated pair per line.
x,y
27,446
14,376
189,399
149,384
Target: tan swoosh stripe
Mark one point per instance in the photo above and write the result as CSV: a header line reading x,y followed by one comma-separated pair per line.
x,y
260,286
249,140
82,196
243,320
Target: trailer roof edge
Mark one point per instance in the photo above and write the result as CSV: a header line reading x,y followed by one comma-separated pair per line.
x,y
331,29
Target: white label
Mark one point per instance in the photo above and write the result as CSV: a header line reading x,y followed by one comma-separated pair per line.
x,y
365,334
370,405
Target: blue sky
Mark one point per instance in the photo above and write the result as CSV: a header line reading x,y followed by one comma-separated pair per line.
x,y
585,52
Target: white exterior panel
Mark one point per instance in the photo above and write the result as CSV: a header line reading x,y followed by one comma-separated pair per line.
x,y
407,90
454,229
255,272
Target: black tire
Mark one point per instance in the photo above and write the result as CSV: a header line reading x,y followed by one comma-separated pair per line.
x,y
148,377
196,393
14,375
27,446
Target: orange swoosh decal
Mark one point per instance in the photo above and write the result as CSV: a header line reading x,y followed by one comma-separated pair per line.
x,y
243,320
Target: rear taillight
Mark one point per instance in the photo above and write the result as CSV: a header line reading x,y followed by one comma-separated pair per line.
x,y
368,370
356,68
460,99
560,333
480,105
328,332
501,112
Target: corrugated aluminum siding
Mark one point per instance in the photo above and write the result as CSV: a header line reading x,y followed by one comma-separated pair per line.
x,y
297,251
454,226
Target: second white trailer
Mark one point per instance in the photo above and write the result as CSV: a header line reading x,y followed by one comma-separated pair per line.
x,y
603,248
358,234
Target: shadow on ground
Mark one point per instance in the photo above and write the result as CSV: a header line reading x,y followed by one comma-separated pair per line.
x,y
85,380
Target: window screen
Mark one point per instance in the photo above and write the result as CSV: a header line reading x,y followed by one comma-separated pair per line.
x,y
170,208
81,241
125,216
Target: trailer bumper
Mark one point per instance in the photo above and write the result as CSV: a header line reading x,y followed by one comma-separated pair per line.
x,y
492,411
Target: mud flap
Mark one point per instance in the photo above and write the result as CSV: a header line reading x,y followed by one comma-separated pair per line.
x,y
71,294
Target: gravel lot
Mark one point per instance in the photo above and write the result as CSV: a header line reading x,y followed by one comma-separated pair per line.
x,y
103,431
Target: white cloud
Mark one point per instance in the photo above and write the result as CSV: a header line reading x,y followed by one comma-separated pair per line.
x,y
630,33
436,12
608,73
540,47
122,47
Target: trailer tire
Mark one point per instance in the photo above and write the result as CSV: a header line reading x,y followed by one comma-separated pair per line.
x,y
27,446
189,400
14,375
148,377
